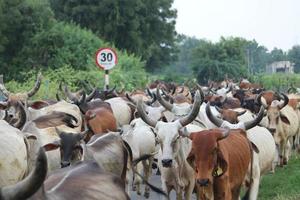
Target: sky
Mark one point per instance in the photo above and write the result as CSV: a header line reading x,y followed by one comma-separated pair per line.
x,y
272,23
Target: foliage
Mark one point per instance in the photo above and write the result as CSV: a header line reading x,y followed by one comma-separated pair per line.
x,y
294,56
145,28
278,55
20,20
122,76
214,61
278,82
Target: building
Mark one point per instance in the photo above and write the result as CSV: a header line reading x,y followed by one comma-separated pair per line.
x,y
280,67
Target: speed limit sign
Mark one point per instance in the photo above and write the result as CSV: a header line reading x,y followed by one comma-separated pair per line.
x,y
106,58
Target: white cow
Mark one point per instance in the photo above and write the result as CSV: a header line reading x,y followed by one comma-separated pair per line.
x,y
14,157
142,141
176,173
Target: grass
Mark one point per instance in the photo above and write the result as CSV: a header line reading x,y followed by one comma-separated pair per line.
x,y
284,184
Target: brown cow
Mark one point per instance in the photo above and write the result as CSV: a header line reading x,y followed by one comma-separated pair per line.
x,y
220,158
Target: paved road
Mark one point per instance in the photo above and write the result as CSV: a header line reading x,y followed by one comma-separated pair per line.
x,y
155,180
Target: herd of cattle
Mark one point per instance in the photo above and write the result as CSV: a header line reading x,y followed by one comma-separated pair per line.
x,y
92,144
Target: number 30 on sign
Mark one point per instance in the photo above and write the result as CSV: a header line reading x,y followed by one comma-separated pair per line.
x,y
106,58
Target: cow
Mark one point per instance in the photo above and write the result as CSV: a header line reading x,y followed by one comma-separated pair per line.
x,y
176,173
90,180
142,140
262,140
220,158
14,154
283,124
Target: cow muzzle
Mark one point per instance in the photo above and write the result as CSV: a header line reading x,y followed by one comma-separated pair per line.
x,y
272,130
166,162
203,182
65,164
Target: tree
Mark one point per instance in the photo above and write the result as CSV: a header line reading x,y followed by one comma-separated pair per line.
x,y
145,28
277,55
20,20
294,56
214,61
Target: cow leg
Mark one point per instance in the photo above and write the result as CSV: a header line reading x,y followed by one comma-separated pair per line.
x,y
166,189
189,189
287,151
148,172
179,194
138,180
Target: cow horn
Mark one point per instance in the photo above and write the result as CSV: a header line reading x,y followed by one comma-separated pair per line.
x,y
229,90
173,90
69,94
163,102
254,122
27,187
149,92
286,101
224,133
182,90
143,114
150,102
241,113
36,87
195,110
57,97
216,121
258,99
111,90
82,99
130,99
22,116
91,95
218,109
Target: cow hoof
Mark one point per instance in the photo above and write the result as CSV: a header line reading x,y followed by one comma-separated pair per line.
x,y
147,195
134,188
285,161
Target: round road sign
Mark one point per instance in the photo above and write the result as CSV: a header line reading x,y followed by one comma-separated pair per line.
x,y
106,58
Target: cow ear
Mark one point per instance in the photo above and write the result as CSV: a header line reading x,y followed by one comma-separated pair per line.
x,y
190,159
284,119
254,147
30,136
222,164
52,146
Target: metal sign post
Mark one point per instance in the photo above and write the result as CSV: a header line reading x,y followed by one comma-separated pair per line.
x,y
106,59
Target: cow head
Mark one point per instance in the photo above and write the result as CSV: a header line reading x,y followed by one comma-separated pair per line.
x,y
206,157
69,145
275,116
230,115
168,132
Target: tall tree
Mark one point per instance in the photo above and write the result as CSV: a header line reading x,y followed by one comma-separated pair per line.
x,y
145,28
294,56
277,55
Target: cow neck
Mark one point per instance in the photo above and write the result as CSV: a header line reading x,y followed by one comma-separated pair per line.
x,y
180,158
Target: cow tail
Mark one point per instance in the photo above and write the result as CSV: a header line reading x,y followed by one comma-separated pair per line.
x,y
247,193
132,163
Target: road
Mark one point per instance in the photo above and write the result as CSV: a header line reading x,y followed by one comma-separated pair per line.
x,y
154,180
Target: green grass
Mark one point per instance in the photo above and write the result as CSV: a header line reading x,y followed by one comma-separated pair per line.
x,y
284,184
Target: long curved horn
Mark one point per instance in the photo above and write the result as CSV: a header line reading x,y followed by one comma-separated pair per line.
x,y
150,102
36,87
130,99
258,99
22,116
195,110
111,90
182,90
143,114
254,122
82,100
163,102
91,95
218,109
27,187
216,121
69,94
241,113
149,92
286,101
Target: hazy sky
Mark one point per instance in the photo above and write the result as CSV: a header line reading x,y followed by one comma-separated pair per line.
x,y
272,23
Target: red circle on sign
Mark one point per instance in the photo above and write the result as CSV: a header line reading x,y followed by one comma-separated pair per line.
x,y
109,49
